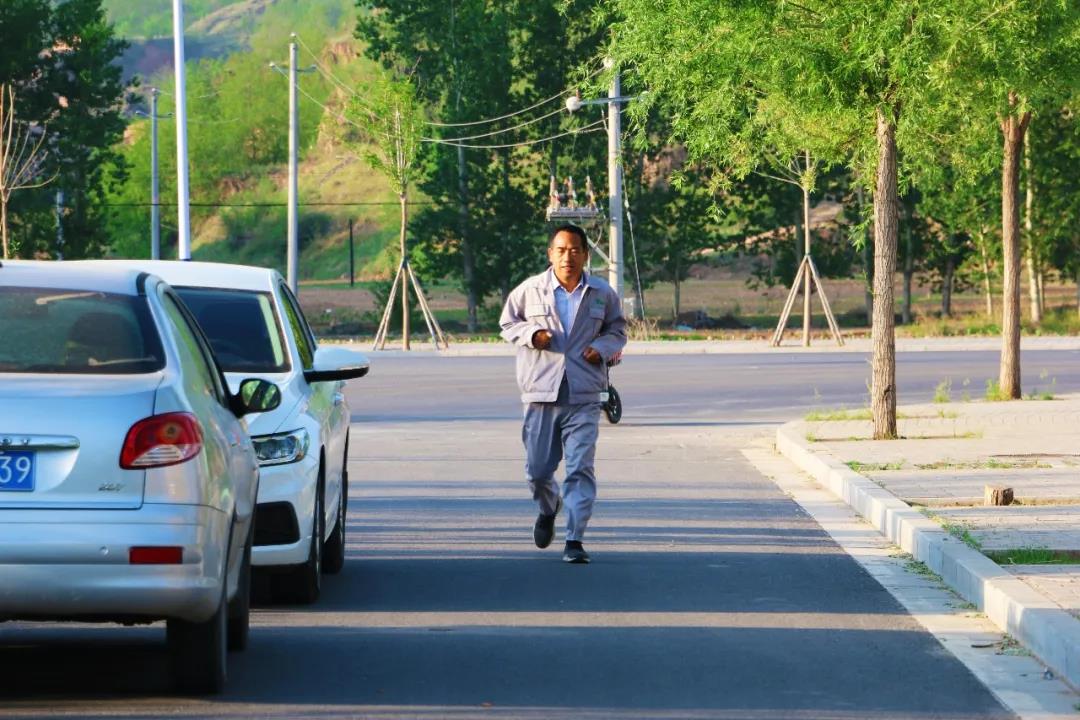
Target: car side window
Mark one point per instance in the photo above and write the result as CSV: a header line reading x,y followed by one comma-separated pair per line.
x,y
191,337
305,343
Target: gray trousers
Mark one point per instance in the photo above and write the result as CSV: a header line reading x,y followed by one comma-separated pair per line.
x,y
551,430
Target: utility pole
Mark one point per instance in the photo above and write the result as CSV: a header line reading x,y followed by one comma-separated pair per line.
x,y
615,200
183,199
293,253
615,195
155,197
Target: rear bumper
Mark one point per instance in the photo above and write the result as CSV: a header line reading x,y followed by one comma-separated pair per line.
x,y
73,564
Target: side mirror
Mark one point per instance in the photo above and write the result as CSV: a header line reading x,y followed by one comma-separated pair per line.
x,y
256,396
337,363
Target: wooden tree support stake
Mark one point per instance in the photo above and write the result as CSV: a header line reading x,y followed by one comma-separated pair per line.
x,y
434,329
806,266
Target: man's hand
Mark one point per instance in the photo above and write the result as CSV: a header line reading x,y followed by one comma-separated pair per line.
x,y
592,357
541,339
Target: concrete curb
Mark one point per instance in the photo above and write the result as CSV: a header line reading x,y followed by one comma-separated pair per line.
x,y
1015,607
742,347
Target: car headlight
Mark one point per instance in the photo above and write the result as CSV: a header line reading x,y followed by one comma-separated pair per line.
x,y
281,448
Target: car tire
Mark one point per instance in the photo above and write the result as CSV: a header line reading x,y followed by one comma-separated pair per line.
x,y
334,553
198,650
302,585
240,606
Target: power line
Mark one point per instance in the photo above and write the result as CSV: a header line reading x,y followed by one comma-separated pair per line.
x,y
272,204
197,97
436,141
593,127
340,84
486,121
496,132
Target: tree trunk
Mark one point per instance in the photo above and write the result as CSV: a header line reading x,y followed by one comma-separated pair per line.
x,y
404,275
987,290
909,272
868,264
947,288
1012,131
883,385
1078,292
807,287
469,264
4,226
1033,265
677,294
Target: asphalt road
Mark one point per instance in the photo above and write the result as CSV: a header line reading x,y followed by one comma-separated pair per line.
x,y
711,594
773,386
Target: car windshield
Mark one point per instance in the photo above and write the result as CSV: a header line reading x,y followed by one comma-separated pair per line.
x,y
72,331
242,328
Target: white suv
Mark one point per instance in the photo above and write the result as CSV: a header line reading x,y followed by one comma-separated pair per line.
x,y
256,329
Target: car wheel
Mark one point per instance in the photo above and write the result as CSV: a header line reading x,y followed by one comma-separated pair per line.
x,y
240,607
197,651
334,554
334,557
304,583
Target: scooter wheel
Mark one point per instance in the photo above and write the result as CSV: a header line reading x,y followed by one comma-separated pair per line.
x,y
613,406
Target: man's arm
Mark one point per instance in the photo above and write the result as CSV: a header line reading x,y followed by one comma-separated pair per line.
x,y
612,336
516,328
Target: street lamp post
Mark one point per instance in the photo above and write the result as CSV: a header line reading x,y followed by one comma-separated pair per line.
x,y
183,211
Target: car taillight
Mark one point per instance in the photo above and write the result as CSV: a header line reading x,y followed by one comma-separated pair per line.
x,y
164,555
161,440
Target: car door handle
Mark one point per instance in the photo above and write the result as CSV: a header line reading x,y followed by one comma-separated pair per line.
x,y
339,399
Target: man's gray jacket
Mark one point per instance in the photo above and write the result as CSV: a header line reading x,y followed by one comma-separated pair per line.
x,y
599,324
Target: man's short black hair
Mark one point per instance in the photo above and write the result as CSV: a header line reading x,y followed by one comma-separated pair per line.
x,y
573,230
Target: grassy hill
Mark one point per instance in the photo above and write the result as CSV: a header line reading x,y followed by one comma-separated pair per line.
x,y
237,134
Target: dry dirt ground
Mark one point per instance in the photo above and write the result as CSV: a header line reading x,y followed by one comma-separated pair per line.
x,y
718,293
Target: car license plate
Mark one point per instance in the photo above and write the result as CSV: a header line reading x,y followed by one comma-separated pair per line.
x,y
16,470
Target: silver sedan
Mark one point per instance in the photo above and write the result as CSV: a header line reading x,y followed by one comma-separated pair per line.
x,y
127,477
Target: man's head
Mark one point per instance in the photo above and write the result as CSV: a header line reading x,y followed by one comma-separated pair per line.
x,y
568,251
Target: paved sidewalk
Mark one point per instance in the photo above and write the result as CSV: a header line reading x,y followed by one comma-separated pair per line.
x,y
925,492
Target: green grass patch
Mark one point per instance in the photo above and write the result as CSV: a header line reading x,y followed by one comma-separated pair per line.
x,y
1034,556
842,414
920,568
991,464
943,391
958,530
994,393
861,467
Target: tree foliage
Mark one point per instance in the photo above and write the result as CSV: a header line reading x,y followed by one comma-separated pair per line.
x,y
61,61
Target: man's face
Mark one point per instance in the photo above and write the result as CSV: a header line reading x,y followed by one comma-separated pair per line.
x,y
567,257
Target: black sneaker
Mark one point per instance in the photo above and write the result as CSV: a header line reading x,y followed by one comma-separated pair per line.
x,y
574,553
544,529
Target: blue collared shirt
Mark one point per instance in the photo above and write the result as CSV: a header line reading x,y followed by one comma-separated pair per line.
x,y
567,303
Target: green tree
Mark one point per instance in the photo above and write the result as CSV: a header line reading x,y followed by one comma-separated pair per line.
x,y
674,222
475,61
70,83
1012,59
852,76
390,122
1054,211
